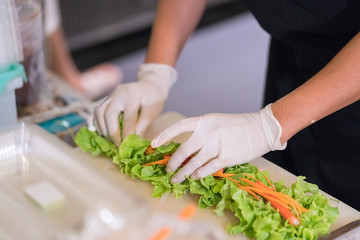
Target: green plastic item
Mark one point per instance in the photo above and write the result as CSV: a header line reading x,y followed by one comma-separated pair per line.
x,y
9,73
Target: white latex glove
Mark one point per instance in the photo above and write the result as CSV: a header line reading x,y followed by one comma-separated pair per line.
x,y
147,95
221,140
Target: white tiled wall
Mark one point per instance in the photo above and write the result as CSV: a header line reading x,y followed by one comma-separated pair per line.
x,y
222,69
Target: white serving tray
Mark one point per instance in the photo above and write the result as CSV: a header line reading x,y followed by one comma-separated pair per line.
x,y
28,155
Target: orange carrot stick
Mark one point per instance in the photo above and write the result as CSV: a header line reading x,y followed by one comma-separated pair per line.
x,y
274,199
257,184
229,174
289,199
220,173
283,207
296,209
251,193
284,210
187,212
149,150
286,213
162,234
249,176
280,201
263,185
248,190
269,183
163,161
257,180
229,177
279,195
259,191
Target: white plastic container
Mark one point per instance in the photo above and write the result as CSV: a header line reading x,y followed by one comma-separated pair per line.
x,y
90,204
11,72
10,40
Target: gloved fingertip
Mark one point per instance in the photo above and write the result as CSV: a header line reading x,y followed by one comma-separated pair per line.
x,y
140,133
117,141
175,180
194,176
155,142
127,132
141,129
200,173
178,178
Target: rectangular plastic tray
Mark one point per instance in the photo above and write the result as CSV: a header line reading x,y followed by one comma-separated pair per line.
x,y
28,155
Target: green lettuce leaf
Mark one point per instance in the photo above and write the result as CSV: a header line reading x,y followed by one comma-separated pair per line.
x,y
92,142
256,218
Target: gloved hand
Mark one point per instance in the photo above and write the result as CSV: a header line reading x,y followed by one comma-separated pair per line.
x,y
145,96
221,140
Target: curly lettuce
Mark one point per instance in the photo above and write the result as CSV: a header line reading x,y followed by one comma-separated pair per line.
x,y
256,219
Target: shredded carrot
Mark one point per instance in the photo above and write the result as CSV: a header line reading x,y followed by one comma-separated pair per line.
x,y
163,161
162,234
187,212
259,191
221,173
296,209
283,207
281,201
247,190
246,175
232,179
270,192
218,173
184,215
286,213
149,150
257,184
302,209
272,199
267,179
258,181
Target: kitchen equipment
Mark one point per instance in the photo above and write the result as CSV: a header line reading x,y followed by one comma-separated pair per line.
x,y
29,97
10,41
11,72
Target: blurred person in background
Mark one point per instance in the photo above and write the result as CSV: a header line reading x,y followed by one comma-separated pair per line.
x,y
311,112
93,83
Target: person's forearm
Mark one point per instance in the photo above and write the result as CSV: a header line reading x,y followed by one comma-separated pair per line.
x,y
175,21
334,87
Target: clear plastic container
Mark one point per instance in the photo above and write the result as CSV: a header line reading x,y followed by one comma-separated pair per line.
x,y
11,73
10,41
29,96
159,227
177,229
93,204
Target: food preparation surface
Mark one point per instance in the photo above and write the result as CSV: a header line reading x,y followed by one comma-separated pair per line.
x,y
169,204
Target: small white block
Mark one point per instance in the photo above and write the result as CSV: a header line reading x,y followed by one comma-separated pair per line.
x,y
45,194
